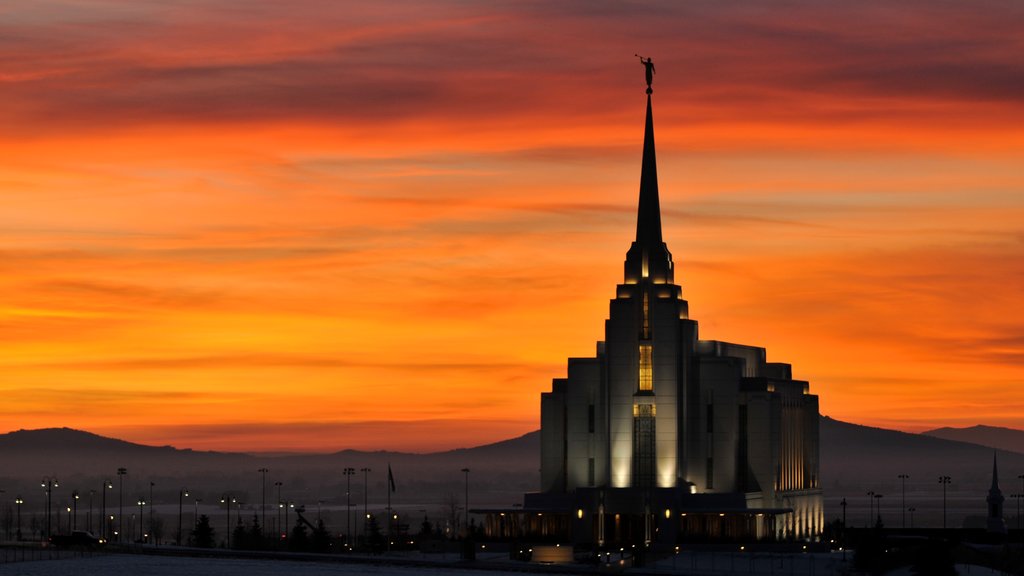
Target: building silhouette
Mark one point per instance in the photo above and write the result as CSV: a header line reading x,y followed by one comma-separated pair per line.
x,y
664,437
994,522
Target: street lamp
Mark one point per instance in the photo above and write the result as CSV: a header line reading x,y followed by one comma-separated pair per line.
x,y
151,484
871,507
286,506
142,530
121,472
105,527
263,499
278,527
19,502
74,502
49,483
944,480
911,510
348,504
227,500
1017,497
181,497
878,508
366,513
88,516
466,472
903,501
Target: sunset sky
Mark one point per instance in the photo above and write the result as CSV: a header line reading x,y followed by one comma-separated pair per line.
x,y
316,225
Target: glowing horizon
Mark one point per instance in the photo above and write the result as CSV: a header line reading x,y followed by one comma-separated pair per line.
x,y
283,228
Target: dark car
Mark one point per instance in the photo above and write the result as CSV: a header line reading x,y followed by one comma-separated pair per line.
x,y
78,538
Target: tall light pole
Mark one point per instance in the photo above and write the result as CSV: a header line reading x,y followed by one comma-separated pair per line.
x,y
348,504
88,516
121,472
227,500
944,480
142,530
263,501
105,527
911,510
278,527
181,497
903,501
151,484
49,483
19,501
195,514
366,513
878,509
466,472
871,507
74,502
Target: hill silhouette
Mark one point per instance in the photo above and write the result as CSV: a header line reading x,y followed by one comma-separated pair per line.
x,y
854,459
992,436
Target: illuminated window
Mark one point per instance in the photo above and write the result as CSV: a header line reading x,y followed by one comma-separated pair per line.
x,y
643,445
646,370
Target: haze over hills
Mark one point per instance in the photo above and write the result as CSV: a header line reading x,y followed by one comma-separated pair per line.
x,y
853,459
993,436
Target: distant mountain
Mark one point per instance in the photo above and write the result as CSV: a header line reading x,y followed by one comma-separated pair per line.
x,y
500,472
854,454
853,459
1009,439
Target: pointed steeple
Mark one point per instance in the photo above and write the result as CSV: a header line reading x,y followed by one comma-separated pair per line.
x,y
995,499
648,257
648,220
995,474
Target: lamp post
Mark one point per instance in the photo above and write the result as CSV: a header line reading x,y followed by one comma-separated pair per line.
x,y
88,516
911,510
286,506
104,527
263,498
121,472
944,480
278,527
227,500
142,530
903,496
871,507
1021,477
19,501
366,513
74,503
151,484
878,509
181,497
466,472
195,514
348,506
49,483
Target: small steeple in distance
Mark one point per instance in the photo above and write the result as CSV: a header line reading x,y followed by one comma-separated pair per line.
x,y
648,257
995,522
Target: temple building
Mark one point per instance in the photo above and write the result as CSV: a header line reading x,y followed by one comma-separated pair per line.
x,y
663,437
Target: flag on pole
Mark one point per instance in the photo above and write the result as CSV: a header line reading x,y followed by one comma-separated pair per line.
x,y
391,479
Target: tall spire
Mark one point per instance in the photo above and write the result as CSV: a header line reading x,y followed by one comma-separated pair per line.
x,y
648,220
995,474
648,257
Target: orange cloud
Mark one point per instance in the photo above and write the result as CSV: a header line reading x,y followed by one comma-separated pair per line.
x,y
339,214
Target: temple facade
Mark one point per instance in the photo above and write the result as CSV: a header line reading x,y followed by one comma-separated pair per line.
x,y
662,436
